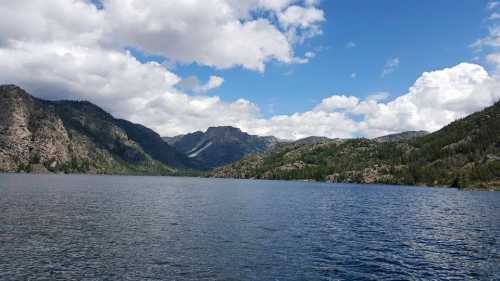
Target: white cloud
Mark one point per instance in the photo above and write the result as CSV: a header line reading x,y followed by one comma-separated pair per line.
x,y
302,60
494,59
213,83
53,20
69,49
276,5
378,96
113,79
491,40
143,93
494,16
300,22
310,55
351,45
302,124
216,33
435,99
353,75
492,5
192,84
390,66
209,32
337,102
301,16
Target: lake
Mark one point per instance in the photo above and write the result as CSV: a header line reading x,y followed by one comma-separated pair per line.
x,y
55,227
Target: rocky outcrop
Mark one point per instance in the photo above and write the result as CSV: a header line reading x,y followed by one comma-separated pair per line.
x,y
77,137
30,132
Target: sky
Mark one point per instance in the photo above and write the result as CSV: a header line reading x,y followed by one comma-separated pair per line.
x,y
288,68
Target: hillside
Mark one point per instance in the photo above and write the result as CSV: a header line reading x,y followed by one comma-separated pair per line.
x,y
404,136
220,145
77,137
464,154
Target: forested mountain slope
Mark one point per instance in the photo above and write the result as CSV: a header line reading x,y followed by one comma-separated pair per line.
x,y
466,153
77,137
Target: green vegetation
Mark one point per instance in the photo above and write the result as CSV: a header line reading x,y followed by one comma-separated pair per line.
x,y
464,154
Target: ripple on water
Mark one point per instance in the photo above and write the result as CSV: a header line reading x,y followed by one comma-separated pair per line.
x,y
154,228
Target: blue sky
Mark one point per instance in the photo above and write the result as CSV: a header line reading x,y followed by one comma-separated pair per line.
x,y
288,68
424,35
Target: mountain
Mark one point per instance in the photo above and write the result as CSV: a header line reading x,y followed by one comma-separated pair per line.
x,y
220,145
464,154
172,140
77,137
401,136
314,140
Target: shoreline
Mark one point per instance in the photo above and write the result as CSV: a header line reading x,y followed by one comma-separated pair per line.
x,y
493,189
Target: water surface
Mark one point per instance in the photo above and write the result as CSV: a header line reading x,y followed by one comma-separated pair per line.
x,y
56,227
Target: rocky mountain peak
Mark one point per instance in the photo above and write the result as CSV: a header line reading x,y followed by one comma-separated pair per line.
x,y
224,132
220,145
11,90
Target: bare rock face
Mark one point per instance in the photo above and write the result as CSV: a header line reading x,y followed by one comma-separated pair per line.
x,y
29,133
76,137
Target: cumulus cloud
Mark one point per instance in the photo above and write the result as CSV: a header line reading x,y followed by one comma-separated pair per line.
x,y
378,96
77,22
299,16
216,33
207,33
337,102
436,99
303,124
142,92
300,22
113,79
72,50
192,84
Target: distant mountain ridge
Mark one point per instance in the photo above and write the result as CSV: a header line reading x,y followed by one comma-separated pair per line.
x,y
465,154
77,137
404,136
220,145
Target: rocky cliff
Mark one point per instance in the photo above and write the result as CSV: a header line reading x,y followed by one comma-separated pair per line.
x,y
77,137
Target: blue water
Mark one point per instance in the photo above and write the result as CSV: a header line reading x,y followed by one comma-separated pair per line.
x,y
152,228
